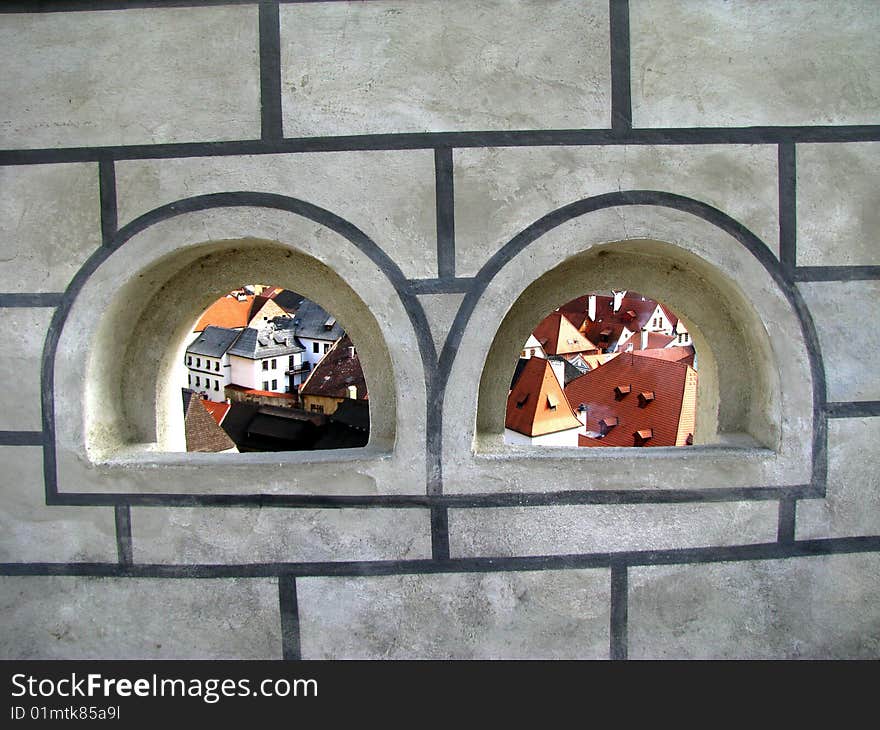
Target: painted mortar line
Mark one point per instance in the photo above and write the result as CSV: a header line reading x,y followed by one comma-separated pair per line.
x,y
21,438
644,558
618,639
836,273
445,197
32,300
271,121
853,409
440,533
123,535
787,172
786,521
432,140
109,209
621,99
288,606
457,285
447,501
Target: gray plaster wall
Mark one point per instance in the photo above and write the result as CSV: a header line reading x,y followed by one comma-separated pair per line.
x,y
416,167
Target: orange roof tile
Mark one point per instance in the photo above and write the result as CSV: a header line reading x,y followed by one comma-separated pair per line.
x,y
674,354
615,390
226,312
558,336
656,341
537,406
218,411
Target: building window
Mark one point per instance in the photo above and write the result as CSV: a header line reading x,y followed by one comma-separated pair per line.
x,y
274,364
217,366
265,385
326,347
290,363
274,385
315,347
265,364
216,385
316,408
189,360
198,362
198,382
189,379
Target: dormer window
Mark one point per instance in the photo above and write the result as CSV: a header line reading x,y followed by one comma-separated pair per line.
x,y
645,397
552,402
621,391
642,436
607,423
522,401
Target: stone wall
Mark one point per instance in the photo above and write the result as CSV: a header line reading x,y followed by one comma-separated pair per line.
x,y
437,174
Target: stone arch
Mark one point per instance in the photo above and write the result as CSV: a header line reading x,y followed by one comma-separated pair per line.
x,y
124,321
578,247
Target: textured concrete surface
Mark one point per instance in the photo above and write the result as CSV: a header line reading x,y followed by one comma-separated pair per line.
x,y
440,309
838,208
512,531
398,212
803,608
93,78
852,500
372,67
714,63
135,618
706,276
22,333
31,532
501,191
839,309
50,223
546,615
278,535
129,77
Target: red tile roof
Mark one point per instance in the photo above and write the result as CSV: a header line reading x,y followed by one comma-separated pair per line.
x,y
656,341
669,415
673,354
336,372
201,430
267,393
537,406
634,313
226,312
558,336
218,411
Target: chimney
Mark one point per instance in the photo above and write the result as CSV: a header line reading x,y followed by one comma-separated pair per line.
x,y
558,370
352,392
591,308
644,338
582,414
618,298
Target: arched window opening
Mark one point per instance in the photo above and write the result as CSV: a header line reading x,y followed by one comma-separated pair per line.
x,y
605,369
273,371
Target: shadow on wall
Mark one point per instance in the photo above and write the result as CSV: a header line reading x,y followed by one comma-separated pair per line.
x,y
270,370
614,369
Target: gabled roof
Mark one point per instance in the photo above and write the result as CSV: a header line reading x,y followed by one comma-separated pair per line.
x,y
275,340
613,391
675,354
336,372
201,430
558,336
226,312
288,300
569,371
634,313
656,341
218,411
315,323
213,342
537,406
